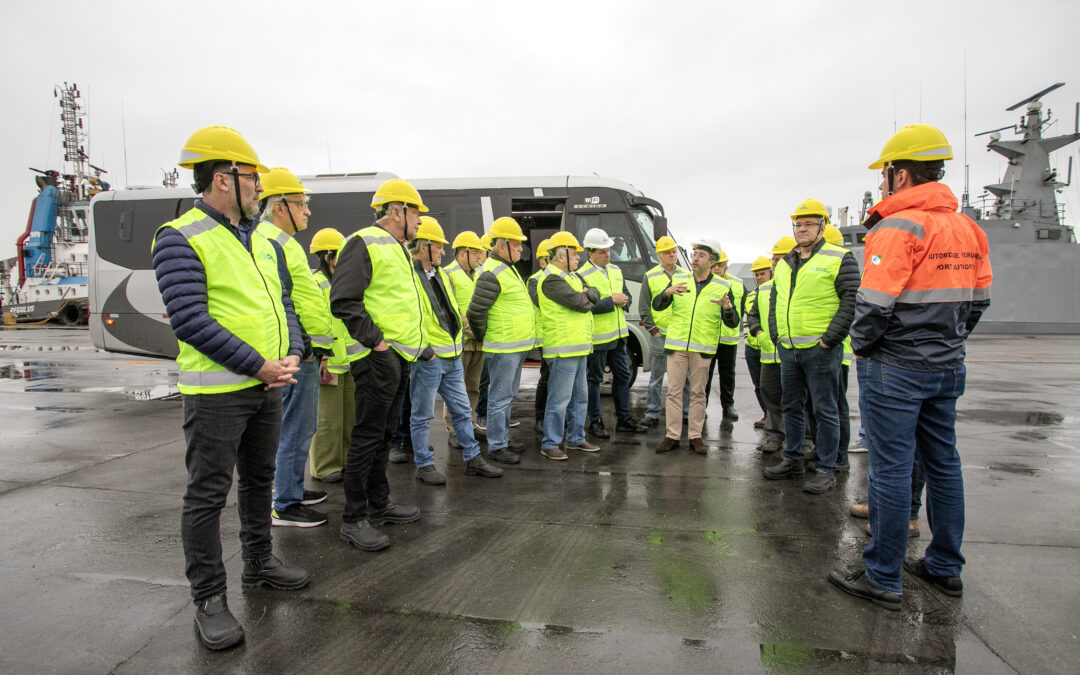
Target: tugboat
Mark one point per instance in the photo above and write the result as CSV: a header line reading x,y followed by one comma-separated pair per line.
x,y
1034,253
51,279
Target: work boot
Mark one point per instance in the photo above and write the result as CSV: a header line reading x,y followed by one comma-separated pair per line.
x,y
215,624
841,467
504,456
698,446
400,455
393,513
730,414
363,536
667,445
268,571
584,446
632,425
429,475
912,529
771,445
313,497
785,469
514,445
859,585
555,453
334,477
478,467
597,428
819,483
652,422
952,586
760,424
453,442
860,510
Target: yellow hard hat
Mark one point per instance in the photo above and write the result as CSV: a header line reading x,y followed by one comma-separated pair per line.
x,y
468,239
564,238
833,236
398,190
281,181
542,249
665,244
326,239
917,142
811,207
430,230
784,245
723,257
506,228
762,262
485,241
218,144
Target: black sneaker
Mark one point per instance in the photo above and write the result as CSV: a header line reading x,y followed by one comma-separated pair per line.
x,y
859,585
632,425
296,515
269,571
313,497
952,586
597,428
363,536
785,469
216,626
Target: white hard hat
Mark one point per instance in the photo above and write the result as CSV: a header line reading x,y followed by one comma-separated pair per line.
x,y
597,238
710,244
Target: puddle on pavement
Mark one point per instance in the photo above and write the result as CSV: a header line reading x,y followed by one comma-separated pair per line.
x,y
1010,418
1014,468
31,371
159,392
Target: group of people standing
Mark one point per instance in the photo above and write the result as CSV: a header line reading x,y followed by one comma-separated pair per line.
x,y
282,368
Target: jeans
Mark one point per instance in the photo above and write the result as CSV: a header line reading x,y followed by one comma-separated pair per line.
x,y
299,418
843,416
238,429
540,405
655,398
337,413
911,417
482,394
567,401
815,370
753,364
620,380
504,370
724,364
446,378
382,378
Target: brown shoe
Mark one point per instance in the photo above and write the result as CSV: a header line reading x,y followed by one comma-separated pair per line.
x,y
912,530
698,446
860,510
667,445
584,446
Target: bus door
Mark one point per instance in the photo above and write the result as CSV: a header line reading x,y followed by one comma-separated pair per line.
x,y
539,217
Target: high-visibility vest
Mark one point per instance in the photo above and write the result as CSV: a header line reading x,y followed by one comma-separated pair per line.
x,y
312,307
537,278
803,313
729,335
566,332
462,284
658,280
611,326
695,320
243,294
511,324
444,345
849,353
345,348
764,339
393,299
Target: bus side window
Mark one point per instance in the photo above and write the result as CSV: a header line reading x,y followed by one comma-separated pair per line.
x,y
626,251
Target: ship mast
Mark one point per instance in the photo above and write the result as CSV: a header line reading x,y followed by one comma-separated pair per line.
x,y
83,175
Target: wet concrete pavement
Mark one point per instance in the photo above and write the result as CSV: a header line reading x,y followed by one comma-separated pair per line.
x,y
620,561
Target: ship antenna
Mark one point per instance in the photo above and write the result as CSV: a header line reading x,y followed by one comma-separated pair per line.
x,y
123,135
964,202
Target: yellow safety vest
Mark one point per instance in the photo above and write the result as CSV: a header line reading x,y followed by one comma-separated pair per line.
x,y
442,343
849,354
803,313
611,326
695,320
393,299
243,294
345,348
312,307
511,324
729,335
568,333
658,279
538,278
764,339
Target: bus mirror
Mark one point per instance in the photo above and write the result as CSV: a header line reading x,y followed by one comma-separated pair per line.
x,y
659,226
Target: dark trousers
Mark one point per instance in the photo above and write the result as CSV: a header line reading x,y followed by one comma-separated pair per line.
x,y
772,392
620,380
382,379
482,398
843,416
753,364
724,364
238,430
402,436
542,389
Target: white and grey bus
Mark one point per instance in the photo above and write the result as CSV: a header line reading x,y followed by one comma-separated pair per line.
x,y
127,314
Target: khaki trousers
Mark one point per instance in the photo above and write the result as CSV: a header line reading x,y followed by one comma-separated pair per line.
x,y
679,365
337,411
472,365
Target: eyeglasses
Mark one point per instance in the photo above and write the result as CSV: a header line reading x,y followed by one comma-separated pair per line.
x,y
303,203
253,176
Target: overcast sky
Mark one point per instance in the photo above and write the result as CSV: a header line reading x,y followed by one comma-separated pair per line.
x,y
727,113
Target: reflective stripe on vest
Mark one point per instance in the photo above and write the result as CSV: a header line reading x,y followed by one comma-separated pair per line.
x,y
442,343
312,307
567,332
243,294
345,348
393,298
510,320
612,325
804,313
537,277
764,338
695,319
657,279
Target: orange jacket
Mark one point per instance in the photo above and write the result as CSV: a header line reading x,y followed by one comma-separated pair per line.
x,y
926,281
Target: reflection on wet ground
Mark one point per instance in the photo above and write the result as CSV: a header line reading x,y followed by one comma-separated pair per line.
x,y
619,561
